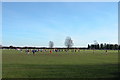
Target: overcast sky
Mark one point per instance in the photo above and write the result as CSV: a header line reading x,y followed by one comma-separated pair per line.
x,y
37,23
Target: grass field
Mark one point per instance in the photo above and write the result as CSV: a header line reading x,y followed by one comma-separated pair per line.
x,y
83,64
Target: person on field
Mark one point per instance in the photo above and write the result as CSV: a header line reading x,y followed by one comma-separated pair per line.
x,y
19,49
50,51
33,51
106,52
40,50
27,51
55,50
75,50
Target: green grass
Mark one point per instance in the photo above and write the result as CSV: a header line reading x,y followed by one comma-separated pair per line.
x,y
83,64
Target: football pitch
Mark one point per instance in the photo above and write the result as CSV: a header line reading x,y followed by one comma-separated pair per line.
x,y
83,64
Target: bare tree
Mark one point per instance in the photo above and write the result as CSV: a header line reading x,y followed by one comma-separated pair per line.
x,y
68,42
96,45
51,44
95,42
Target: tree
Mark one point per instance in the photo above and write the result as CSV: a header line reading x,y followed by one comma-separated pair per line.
x,y
89,46
96,45
116,46
92,46
68,42
95,42
101,46
11,47
51,44
105,45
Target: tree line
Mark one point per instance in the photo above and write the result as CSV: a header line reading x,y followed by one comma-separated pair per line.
x,y
69,43
104,46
